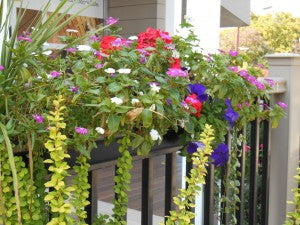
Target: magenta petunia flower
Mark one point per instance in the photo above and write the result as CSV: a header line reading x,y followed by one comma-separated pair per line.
x,y
97,53
111,21
38,118
1,67
81,130
117,42
71,50
95,38
74,89
282,105
55,73
173,72
98,66
24,38
233,69
233,53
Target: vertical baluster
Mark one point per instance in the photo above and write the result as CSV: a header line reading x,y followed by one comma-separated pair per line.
x,y
170,182
209,196
241,169
92,208
189,167
147,191
254,171
224,180
265,172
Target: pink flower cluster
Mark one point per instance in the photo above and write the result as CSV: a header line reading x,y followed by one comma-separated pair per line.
x,y
25,37
81,130
252,80
174,72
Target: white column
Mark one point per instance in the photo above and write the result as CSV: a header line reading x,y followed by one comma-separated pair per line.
x,y
285,139
173,15
206,20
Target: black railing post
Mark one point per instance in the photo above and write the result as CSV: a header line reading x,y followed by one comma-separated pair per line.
x,y
265,172
254,151
209,195
241,169
147,191
170,182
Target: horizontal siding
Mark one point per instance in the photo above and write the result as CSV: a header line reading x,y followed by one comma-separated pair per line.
x,y
136,26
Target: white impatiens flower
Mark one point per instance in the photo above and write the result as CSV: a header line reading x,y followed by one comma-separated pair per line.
x,y
175,54
116,100
133,38
155,135
110,70
100,130
84,48
134,101
135,81
141,93
154,87
49,52
125,71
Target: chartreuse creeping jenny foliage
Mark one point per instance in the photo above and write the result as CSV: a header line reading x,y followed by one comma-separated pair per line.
x,y
59,192
294,217
185,200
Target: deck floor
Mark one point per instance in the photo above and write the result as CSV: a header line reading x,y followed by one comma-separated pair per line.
x,y
105,192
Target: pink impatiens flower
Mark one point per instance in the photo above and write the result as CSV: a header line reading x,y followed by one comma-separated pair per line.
x,y
98,66
173,72
282,105
81,130
24,38
95,38
233,53
111,21
38,118
1,67
55,73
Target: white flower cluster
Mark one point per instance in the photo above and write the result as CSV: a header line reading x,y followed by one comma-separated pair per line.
x,y
124,71
116,100
100,130
155,135
154,87
110,70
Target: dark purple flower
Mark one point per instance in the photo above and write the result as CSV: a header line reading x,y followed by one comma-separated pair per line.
x,y
233,53
169,101
111,21
230,115
193,146
282,105
199,90
233,69
74,89
220,155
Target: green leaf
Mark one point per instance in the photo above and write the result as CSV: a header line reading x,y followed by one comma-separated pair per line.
x,y
113,123
189,127
147,117
137,141
145,149
114,87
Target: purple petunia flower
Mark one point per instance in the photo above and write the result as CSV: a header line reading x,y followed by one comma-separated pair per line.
x,y
282,105
74,89
233,69
71,50
1,67
199,90
230,115
111,21
117,42
38,118
193,146
55,73
24,38
81,130
95,38
173,72
98,66
220,155
233,53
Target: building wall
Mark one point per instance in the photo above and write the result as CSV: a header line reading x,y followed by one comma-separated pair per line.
x,y
136,15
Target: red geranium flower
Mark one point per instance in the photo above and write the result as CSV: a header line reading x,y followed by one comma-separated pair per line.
x,y
193,101
148,38
175,63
